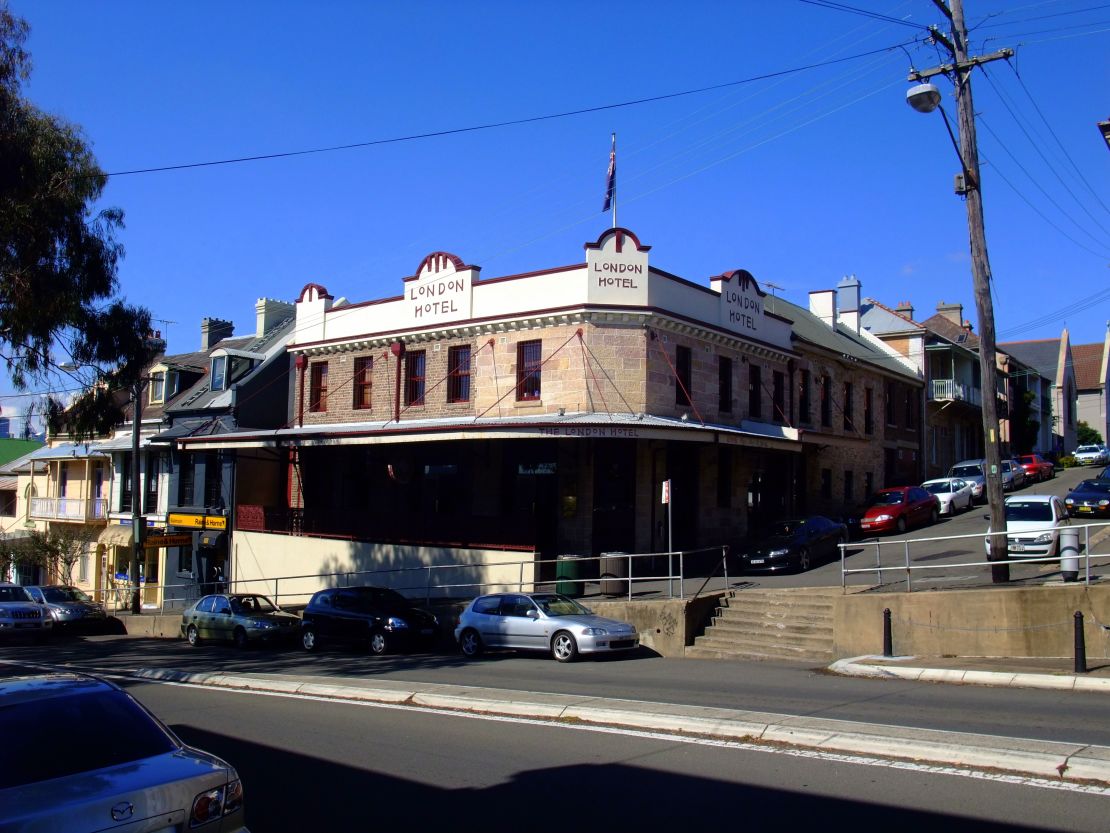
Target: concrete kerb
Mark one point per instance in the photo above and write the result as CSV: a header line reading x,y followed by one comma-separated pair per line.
x,y
1044,759
863,666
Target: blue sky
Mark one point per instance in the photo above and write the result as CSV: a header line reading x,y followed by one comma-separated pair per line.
x,y
800,179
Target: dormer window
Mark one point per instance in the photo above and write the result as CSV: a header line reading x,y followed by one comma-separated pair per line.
x,y
219,372
157,388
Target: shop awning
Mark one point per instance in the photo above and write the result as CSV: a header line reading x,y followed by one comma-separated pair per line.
x,y
115,535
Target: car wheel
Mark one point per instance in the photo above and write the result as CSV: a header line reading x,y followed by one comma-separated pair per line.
x,y
470,643
379,644
192,635
900,526
934,516
803,560
563,647
308,639
239,638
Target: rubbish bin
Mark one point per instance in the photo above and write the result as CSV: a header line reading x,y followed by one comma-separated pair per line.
x,y
568,571
614,573
1069,554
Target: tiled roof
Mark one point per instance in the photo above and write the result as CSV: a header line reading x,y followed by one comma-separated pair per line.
x,y
952,331
1086,360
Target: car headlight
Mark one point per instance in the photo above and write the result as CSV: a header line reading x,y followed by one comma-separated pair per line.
x,y
394,623
1068,501
1043,538
1104,503
778,552
595,632
263,623
884,517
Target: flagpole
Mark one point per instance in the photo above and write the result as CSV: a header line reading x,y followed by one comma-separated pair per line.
x,y
614,183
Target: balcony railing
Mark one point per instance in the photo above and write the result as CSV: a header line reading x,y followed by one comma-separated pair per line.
x,y
78,510
949,390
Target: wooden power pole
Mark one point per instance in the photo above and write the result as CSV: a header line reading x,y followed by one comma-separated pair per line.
x,y
959,71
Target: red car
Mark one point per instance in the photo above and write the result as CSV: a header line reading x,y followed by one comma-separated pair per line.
x,y
898,508
1037,468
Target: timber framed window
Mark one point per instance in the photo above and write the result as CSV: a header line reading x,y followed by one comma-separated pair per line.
x,y
528,354
318,388
724,384
458,374
415,378
363,386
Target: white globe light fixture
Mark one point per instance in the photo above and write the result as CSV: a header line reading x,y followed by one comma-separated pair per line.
x,y
924,98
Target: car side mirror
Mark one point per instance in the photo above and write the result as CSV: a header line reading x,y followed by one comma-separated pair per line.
x,y
532,613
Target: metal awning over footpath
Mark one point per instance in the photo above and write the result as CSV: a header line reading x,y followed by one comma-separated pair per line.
x,y
68,451
586,425
119,535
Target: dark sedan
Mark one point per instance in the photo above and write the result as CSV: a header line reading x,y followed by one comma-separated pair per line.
x,y
241,618
796,545
1090,499
376,618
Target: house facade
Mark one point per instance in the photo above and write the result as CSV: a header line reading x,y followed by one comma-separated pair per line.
x,y
1052,359
1092,381
542,413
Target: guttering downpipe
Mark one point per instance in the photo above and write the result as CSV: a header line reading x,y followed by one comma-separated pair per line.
x,y
300,363
397,348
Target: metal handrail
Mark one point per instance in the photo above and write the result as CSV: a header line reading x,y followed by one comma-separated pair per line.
x,y
909,567
674,576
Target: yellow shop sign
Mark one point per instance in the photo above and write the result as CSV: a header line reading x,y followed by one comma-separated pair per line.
x,y
198,521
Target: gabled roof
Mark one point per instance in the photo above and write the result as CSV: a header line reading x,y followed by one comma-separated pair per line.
x,y
882,320
843,340
952,332
1086,359
1042,355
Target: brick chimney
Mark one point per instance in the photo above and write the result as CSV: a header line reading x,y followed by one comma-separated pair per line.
x,y
905,308
848,297
953,312
213,331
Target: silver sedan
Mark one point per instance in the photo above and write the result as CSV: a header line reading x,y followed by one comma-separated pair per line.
x,y
540,622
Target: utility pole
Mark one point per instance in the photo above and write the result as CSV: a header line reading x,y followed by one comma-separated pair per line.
x,y
137,522
959,71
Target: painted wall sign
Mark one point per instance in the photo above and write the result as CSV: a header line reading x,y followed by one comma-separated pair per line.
x,y
590,431
440,291
617,269
741,303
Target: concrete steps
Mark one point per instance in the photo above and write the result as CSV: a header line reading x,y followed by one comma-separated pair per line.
x,y
770,624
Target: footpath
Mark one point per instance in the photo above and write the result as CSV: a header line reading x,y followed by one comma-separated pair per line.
x,y
1073,763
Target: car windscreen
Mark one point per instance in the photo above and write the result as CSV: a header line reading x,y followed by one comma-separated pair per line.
x,y
64,594
967,471
13,594
555,605
940,487
888,498
786,529
251,604
53,737
1100,486
1021,510
1088,449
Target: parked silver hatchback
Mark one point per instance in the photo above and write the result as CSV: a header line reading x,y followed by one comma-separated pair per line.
x,y
540,622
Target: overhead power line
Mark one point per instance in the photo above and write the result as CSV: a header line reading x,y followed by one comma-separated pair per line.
x,y
842,7
510,122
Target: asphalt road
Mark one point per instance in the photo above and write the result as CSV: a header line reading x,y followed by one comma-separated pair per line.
x,y
313,765
780,688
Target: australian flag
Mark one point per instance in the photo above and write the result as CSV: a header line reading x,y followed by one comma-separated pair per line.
x,y
611,177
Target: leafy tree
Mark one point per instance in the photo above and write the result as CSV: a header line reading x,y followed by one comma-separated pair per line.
x,y
1086,435
59,252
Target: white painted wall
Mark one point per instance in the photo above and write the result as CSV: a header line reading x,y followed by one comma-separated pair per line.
x,y
294,567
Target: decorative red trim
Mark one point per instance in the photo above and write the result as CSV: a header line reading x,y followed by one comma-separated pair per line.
x,y
743,277
621,233
437,260
323,293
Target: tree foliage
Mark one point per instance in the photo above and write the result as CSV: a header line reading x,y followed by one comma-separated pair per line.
x,y
59,252
1086,435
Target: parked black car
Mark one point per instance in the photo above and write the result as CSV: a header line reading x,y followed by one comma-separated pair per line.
x,y
1090,499
795,545
377,617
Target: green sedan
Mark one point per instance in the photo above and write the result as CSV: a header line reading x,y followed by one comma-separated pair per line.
x,y
241,618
